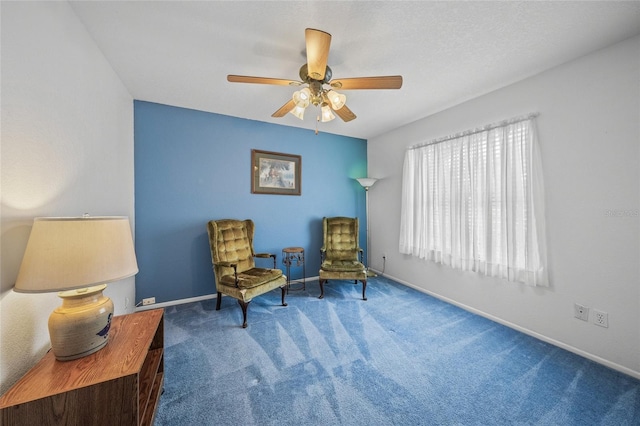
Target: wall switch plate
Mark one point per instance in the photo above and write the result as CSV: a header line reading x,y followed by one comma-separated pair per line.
x,y
581,312
601,318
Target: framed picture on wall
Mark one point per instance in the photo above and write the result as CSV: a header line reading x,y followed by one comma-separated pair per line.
x,y
275,173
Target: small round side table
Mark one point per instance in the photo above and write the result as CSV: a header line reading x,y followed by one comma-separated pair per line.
x,y
294,256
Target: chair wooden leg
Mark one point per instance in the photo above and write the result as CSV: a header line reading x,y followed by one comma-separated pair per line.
x,y
244,306
284,291
321,288
364,289
218,300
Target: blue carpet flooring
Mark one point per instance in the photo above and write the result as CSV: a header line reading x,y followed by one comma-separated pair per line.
x,y
400,358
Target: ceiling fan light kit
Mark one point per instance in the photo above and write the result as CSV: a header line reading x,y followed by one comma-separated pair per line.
x,y
337,99
316,73
302,97
298,111
327,115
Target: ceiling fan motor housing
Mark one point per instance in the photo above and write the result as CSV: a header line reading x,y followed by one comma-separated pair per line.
x,y
315,86
304,75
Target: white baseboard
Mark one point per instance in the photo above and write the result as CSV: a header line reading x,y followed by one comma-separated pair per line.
x,y
592,357
199,298
175,302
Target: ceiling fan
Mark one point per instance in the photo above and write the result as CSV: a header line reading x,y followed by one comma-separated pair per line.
x,y
315,74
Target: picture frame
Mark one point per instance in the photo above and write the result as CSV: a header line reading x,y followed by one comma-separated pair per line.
x,y
275,173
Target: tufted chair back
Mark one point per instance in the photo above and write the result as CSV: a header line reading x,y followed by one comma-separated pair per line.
x,y
231,241
340,238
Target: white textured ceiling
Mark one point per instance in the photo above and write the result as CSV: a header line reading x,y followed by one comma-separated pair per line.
x,y
179,53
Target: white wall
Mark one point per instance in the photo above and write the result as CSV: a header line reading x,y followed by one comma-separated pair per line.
x,y
590,138
67,149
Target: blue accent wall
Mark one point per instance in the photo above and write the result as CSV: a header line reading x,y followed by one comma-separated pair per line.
x,y
193,166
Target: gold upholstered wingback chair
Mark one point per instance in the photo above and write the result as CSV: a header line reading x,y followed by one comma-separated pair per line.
x,y
236,274
341,255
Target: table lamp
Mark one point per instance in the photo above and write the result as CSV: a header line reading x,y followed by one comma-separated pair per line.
x,y
76,256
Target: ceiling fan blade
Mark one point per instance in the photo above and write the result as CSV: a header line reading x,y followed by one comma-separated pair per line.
x,y
384,82
318,43
284,109
345,113
261,80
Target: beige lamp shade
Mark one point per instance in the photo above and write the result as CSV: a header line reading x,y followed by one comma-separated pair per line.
x,y
76,257
69,253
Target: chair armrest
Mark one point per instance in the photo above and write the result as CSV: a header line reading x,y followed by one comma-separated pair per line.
x,y
230,265
227,264
267,255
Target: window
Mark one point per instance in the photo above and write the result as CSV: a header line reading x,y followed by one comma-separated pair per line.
x,y
475,201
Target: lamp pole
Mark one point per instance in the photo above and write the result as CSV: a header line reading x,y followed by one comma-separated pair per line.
x,y
366,184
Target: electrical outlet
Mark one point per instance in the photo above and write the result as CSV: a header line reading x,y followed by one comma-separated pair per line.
x,y
148,301
601,318
581,312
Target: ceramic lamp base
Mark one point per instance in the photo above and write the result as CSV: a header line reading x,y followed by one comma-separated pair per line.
x,y
80,326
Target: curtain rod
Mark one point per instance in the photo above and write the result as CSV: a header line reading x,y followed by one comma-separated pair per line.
x,y
477,130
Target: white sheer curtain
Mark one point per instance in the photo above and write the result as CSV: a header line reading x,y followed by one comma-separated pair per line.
x,y
475,201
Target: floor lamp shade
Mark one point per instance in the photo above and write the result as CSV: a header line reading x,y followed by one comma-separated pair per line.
x,y
77,257
367,182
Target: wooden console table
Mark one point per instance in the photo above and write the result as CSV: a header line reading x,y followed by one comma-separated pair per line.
x,y
118,385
